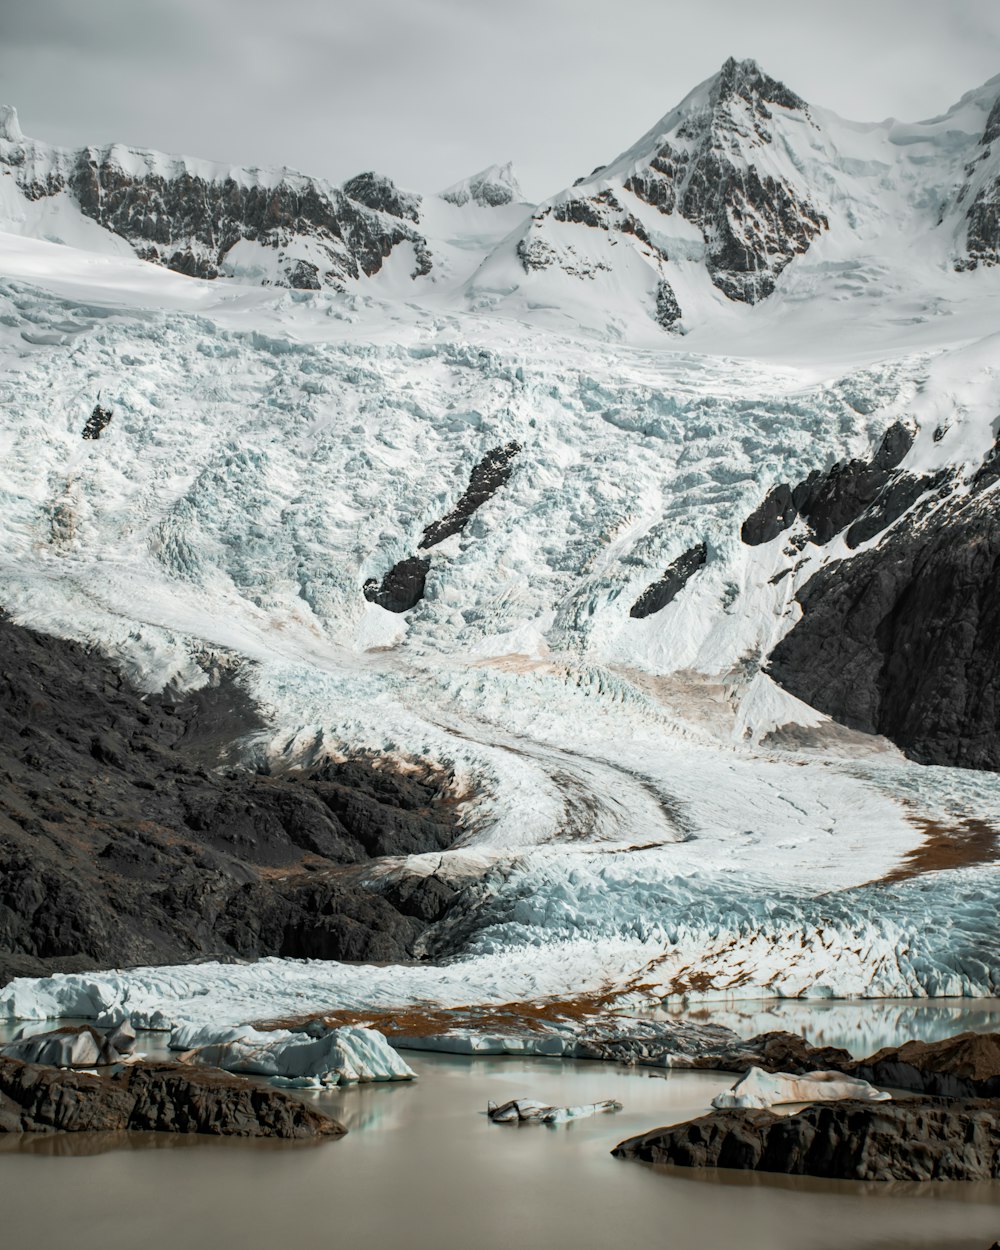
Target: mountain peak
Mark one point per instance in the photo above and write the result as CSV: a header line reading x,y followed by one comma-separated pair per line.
x,y
491,187
380,193
10,128
746,80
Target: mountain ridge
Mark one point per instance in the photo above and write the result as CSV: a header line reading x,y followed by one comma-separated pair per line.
x,y
741,183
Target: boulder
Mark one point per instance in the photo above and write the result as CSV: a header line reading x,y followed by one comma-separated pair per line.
x,y
161,1097
965,1066
914,1140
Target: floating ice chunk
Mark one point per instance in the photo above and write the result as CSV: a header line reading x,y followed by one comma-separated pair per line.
x,y
768,1089
519,1109
339,1056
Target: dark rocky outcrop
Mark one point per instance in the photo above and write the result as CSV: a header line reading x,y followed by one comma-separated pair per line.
x,y
918,1140
189,218
97,422
152,1097
668,311
668,586
381,194
965,1066
982,218
904,639
402,587
492,472
776,513
772,1052
867,495
123,841
602,211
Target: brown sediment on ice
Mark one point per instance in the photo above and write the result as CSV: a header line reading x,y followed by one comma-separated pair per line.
x,y
508,1019
968,843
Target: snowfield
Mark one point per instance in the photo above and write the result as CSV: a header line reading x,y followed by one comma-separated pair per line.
x,y
641,818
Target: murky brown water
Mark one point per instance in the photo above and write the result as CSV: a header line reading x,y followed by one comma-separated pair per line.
x,y
422,1167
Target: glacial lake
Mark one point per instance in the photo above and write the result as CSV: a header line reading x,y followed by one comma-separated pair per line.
x,y
422,1167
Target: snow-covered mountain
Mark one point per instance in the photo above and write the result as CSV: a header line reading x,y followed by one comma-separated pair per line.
x,y
491,187
675,614
744,190
741,191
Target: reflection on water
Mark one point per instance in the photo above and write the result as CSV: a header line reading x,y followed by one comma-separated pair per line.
x,y
861,1026
82,1145
422,1166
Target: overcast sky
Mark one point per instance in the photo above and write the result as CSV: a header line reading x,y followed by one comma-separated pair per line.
x,y
428,91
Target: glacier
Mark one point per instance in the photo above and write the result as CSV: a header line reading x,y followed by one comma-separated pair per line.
x,y
648,814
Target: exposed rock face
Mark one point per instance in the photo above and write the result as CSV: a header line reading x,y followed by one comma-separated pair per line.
x,y
492,472
720,161
753,222
923,1140
377,192
668,311
867,495
667,587
981,192
97,422
776,513
771,1052
161,1098
402,587
600,211
903,640
190,215
966,1066
120,842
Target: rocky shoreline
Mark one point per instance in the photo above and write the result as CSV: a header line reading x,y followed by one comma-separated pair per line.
x,y
152,1097
913,1140
920,1136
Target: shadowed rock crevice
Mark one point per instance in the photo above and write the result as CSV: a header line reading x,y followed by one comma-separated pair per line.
x,y
667,587
123,841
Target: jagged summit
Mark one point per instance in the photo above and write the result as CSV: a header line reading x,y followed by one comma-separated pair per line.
x,y
490,188
378,192
746,80
205,219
